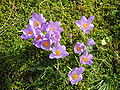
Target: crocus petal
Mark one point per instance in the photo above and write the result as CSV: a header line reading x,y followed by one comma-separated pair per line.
x,y
90,56
89,62
51,56
90,19
91,26
83,20
78,23
81,69
24,37
34,15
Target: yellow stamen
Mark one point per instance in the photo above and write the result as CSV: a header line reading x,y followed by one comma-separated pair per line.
x,y
79,48
46,43
85,59
29,32
36,23
85,25
74,76
38,37
52,29
58,52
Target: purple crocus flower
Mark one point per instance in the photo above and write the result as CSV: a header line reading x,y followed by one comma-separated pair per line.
x,y
58,51
91,42
86,58
28,33
85,24
53,27
56,37
38,39
37,20
46,44
76,75
79,47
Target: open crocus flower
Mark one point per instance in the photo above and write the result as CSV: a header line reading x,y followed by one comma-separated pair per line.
x,y
28,33
79,47
46,44
85,24
76,75
58,51
53,27
86,58
91,42
37,20
38,38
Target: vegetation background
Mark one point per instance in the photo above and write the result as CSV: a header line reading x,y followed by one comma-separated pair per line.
x,y
25,67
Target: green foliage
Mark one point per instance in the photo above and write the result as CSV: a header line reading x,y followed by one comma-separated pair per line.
x,y
23,66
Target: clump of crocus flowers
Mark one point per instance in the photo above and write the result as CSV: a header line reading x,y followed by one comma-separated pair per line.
x,y
46,35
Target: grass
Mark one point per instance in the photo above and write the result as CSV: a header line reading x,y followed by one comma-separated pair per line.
x,y
25,67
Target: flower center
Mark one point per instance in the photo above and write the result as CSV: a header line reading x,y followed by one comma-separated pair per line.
x,y
58,52
36,23
46,43
85,25
79,48
52,29
85,59
39,37
74,76
29,32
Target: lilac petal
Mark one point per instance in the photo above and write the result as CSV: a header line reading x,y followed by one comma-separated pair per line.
x,y
86,53
61,30
89,62
34,15
37,44
83,19
57,23
81,69
87,31
90,19
90,56
91,26
24,37
91,42
41,18
64,54
51,56
78,23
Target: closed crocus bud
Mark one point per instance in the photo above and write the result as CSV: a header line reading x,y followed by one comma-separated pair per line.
x,y
91,42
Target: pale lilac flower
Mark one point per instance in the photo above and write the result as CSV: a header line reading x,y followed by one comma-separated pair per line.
x,y
38,39
79,47
53,27
86,58
37,20
28,33
85,24
76,75
91,42
46,44
58,52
